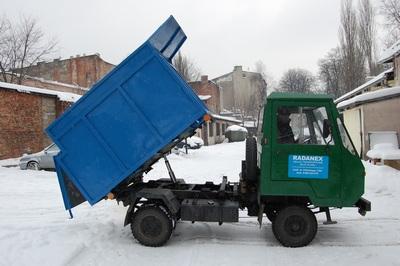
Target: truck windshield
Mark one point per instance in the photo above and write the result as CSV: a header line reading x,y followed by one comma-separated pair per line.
x,y
346,138
302,125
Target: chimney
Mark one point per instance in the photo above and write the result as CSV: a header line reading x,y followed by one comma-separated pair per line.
x,y
237,68
204,78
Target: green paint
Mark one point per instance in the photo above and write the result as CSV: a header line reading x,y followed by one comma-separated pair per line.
x,y
345,182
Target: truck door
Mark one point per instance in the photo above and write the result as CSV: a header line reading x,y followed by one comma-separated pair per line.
x,y
302,155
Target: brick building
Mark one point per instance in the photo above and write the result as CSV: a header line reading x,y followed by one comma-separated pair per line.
x,y
82,71
24,114
209,92
212,132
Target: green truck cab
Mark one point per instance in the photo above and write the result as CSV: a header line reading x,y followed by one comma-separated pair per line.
x,y
306,163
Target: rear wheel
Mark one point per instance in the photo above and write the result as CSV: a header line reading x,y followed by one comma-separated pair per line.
x,y
151,226
251,159
295,226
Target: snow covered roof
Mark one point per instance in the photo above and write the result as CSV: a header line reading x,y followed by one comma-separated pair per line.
x,y
63,96
204,97
226,118
389,53
360,88
370,96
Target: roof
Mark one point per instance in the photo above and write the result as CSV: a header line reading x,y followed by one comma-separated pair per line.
x,y
389,53
63,96
372,96
226,118
360,88
296,95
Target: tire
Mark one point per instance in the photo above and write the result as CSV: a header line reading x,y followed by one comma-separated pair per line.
x,y
151,226
32,165
251,160
295,226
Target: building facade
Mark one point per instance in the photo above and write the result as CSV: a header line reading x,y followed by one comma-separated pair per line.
x,y
374,106
25,112
240,89
82,71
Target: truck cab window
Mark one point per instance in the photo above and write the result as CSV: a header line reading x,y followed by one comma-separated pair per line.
x,y
303,125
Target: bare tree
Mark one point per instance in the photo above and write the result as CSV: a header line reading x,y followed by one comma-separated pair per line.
x,y
186,67
352,53
297,80
367,34
22,45
331,72
390,9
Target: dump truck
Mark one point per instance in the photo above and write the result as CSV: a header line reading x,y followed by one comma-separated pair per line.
x,y
300,163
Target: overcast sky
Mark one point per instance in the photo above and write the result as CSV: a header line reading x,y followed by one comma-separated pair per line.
x,y
283,34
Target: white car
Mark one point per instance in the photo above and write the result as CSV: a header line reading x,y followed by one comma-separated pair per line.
x,y
40,160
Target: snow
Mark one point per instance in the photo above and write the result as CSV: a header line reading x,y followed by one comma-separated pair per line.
x,y
359,89
204,97
370,96
193,141
385,151
35,230
390,53
63,96
236,128
226,118
377,137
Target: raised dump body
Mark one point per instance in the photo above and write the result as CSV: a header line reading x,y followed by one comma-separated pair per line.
x,y
127,120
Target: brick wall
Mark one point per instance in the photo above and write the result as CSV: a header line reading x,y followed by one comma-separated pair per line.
x,y
206,87
23,118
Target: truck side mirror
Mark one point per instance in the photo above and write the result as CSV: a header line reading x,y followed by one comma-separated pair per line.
x,y
326,130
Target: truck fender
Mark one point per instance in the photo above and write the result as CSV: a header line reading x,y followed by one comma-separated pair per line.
x,y
165,195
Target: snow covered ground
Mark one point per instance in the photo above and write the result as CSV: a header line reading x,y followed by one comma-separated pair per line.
x,y
35,230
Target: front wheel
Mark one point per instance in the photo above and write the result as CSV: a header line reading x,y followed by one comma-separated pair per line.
x,y
151,226
33,166
295,226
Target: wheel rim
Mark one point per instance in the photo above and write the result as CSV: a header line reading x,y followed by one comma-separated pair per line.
x,y
33,166
151,226
295,226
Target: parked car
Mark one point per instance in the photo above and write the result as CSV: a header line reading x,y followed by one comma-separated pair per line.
x,y
40,160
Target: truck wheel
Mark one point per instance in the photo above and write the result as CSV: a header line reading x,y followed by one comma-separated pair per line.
x,y
151,226
295,226
251,159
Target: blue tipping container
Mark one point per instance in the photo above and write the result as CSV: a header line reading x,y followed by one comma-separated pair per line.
x,y
117,129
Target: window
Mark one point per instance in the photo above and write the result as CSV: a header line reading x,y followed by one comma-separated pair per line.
x,y
218,129
223,128
347,143
303,125
211,129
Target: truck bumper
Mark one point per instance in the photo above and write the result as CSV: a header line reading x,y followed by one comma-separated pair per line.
x,y
363,205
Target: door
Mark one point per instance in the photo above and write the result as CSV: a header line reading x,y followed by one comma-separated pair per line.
x,y
304,154
46,160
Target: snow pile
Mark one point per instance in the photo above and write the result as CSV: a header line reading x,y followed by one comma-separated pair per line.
x,y
385,151
63,96
370,96
236,128
194,141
